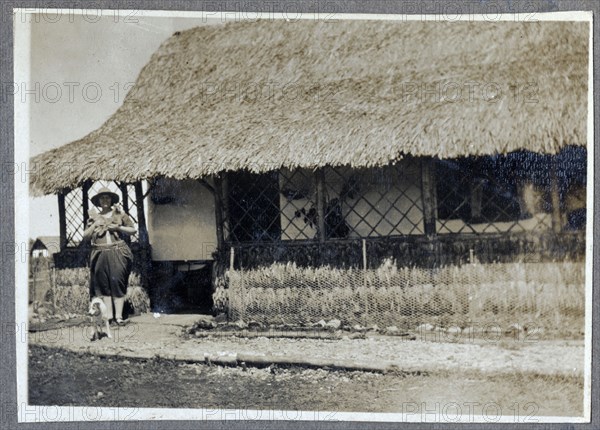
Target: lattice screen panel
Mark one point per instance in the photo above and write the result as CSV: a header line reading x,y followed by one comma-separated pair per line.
x,y
253,207
357,203
74,217
373,202
298,204
487,195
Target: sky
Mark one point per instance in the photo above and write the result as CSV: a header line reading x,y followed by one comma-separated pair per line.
x,y
80,70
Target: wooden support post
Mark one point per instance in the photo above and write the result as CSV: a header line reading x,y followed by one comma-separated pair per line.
x,y
320,182
85,201
206,185
62,220
125,205
364,255
429,195
141,214
226,213
219,219
143,238
555,197
125,195
53,288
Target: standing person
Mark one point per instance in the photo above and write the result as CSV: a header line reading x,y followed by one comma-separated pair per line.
x,y
111,259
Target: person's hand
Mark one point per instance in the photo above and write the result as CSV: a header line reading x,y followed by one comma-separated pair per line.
x,y
112,227
98,222
98,225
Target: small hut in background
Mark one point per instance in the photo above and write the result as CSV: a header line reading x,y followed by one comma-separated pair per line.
x,y
329,143
44,246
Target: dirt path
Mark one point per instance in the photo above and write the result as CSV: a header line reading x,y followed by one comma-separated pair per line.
x,y
65,378
148,337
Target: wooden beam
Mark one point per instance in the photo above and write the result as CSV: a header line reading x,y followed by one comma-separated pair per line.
x,y
206,185
150,184
125,204
555,197
226,213
143,239
320,182
62,220
85,188
219,219
429,195
141,214
125,196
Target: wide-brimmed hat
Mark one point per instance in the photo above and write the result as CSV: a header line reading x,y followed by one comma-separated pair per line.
x,y
102,192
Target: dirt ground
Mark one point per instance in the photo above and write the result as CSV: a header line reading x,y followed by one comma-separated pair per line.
x,y
165,337
157,362
79,379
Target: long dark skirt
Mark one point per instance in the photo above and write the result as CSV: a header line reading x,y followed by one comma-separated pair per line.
x,y
110,266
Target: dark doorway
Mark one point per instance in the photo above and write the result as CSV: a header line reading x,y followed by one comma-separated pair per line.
x,y
182,287
197,287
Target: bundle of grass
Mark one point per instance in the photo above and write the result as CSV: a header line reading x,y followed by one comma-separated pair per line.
x,y
220,300
546,294
137,296
72,294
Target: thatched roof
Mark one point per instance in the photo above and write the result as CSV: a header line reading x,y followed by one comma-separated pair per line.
x,y
272,94
48,242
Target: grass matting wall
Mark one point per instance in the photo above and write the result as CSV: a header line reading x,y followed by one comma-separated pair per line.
x,y
66,291
548,297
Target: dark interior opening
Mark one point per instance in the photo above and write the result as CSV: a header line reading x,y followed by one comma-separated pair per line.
x,y
181,287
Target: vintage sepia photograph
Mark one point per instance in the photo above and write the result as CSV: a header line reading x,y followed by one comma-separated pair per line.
x,y
303,217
